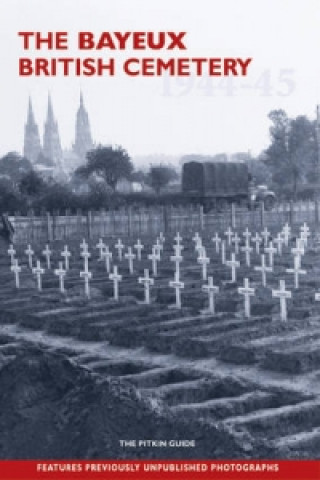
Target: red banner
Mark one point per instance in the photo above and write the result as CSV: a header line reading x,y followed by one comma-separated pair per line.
x,y
168,469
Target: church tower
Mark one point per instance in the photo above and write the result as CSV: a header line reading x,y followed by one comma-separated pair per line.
x,y
51,140
83,140
32,145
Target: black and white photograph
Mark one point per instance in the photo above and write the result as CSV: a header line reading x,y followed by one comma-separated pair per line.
x,y
160,230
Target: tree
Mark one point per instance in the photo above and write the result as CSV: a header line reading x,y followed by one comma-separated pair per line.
x,y
13,166
291,155
31,184
109,163
160,176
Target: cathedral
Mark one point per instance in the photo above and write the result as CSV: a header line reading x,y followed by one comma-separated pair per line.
x,y
49,158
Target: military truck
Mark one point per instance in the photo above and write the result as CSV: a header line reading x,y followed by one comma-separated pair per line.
x,y
216,185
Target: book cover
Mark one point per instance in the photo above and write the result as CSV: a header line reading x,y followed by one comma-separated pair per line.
x,y
159,248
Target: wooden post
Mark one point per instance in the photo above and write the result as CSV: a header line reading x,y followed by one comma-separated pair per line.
x,y
262,216
233,215
89,224
49,227
129,214
291,212
201,218
165,219
316,212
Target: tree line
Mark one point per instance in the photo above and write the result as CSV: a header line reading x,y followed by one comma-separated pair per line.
x,y
289,165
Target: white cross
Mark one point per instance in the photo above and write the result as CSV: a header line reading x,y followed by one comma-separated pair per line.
x,y
177,285
279,242
265,234
162,238
178,239
298,251
107,255
198,246
154,257
283,294
85,254
11,253
211,290
196,237
177,258
204,261
66,254
216,240
229,234
87,276
263,269
247,235
247,292
286,232
178,249
296,270
223,252
271,250
119,246
236,240
247,249
61,273
100,246
317,296
116,278
233,264
16,270
158,248
38,271
84,245
139,247
257,241
147,282
30,254
130,257
47,254
305,233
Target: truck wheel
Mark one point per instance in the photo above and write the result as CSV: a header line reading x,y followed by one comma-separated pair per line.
x,y
269,203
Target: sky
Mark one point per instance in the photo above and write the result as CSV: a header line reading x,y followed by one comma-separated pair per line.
x,y
173,116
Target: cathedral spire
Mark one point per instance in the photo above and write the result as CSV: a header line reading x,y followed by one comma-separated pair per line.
x,y
51,139
83,140
32,146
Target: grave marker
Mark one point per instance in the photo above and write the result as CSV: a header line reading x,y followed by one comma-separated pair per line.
x,y
147,282
247,250
47,254
211,290
283,295
216,240
236,240
66,255
204,261
61,273
271,250
139,247
116,278
107,255
177,258
29,252
223,252
16,270
257,241
38,272
100,246
130,257
265,234
177,285
247,292
119,246
11,253
296,270
154,257
263,269
247,235
233,264
229,234
87,276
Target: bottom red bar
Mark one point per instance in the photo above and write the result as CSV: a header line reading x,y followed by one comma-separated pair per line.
x,y
170,469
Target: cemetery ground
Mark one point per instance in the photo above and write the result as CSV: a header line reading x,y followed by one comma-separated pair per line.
x,y
82,369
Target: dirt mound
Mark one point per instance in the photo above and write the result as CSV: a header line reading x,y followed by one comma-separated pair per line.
x,y
51,408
